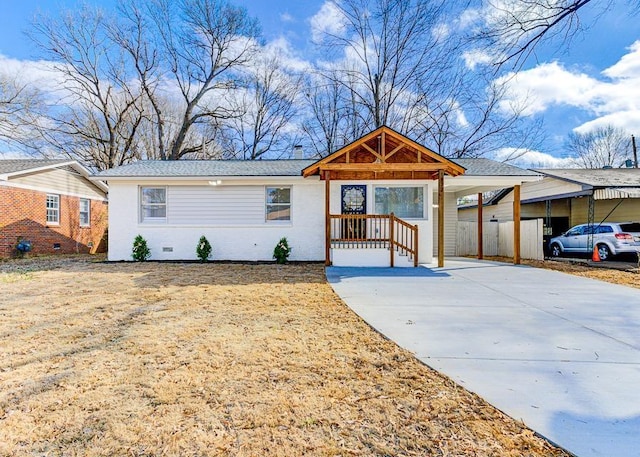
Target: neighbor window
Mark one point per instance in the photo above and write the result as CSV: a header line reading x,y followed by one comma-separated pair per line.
x,y
153,204
402,201
53,209
579,230
278,203
85,212
605,229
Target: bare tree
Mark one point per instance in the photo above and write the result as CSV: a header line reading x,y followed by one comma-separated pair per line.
x,y
400,71
267,105
468,122
513,29
188,55
606,146
19,104
149,82
335,117
94,114
322,126
390,50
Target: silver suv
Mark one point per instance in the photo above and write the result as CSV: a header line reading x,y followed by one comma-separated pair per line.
x,y
611,238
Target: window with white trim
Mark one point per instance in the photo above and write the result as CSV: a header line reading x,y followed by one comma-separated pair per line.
x,y
53,209
153,204
84,214
278,204
403,202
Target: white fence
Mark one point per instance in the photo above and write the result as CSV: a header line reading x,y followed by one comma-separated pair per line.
x,y
497,239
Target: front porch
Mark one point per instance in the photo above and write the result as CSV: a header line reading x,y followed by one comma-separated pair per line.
x,y
373,240
390,201
356,229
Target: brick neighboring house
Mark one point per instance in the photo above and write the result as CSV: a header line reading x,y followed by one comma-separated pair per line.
x,y
52,204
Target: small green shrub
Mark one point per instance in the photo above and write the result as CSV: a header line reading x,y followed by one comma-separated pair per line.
x,y
204,249
140,251
281,251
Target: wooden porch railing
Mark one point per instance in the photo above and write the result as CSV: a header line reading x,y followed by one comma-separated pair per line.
x,y
369,231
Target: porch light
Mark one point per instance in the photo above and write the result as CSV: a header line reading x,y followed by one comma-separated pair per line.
x,y
435,205
217,182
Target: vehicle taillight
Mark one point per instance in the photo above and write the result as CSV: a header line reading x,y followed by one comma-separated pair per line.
x,y
624,236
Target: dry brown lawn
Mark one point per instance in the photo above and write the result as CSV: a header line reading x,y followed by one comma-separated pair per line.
x,y
101,359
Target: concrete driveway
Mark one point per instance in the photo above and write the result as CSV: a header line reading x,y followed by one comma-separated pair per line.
x,y
559,352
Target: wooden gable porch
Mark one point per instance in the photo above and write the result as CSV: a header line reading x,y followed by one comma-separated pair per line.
x,y
384,154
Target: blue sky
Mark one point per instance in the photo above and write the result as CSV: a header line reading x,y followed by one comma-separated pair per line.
x,y
596,81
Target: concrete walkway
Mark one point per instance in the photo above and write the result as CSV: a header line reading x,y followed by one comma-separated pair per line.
x,y
559,352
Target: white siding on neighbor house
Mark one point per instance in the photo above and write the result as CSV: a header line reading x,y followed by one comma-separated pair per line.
x,y
575,208
503,211
59,181
242,238
543,188
216,205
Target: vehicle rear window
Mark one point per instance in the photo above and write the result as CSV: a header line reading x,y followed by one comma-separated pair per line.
x,y
633,227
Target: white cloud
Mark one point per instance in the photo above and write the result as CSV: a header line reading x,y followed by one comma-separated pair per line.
x,y
526,158
627,120
287,57
475,57
498,12
547,85
469,18
441,31
40,73
329,19
628,66
461,118
286,17
611,98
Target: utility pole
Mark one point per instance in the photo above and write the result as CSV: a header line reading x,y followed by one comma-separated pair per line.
x,y
635,151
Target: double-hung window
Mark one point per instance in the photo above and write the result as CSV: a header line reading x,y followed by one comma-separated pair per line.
x,y
278,204
403,202
153,204
84,215
53,209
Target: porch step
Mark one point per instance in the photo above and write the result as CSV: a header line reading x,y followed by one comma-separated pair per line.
x,y
371,257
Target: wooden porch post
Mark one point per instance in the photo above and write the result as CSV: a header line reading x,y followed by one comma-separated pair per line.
x,y
392,238
415,246
440,218
480,224
327,218
516,225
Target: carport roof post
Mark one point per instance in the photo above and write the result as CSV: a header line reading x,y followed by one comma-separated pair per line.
x,y
477,183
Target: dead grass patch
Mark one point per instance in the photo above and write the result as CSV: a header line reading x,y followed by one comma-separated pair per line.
x,y
239,360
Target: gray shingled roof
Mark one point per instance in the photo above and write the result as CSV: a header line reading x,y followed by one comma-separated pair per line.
x,y
14,165
488,167
599,177
205,168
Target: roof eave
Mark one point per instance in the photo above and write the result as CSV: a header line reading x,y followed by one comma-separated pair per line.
x,y
187,178
25,171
